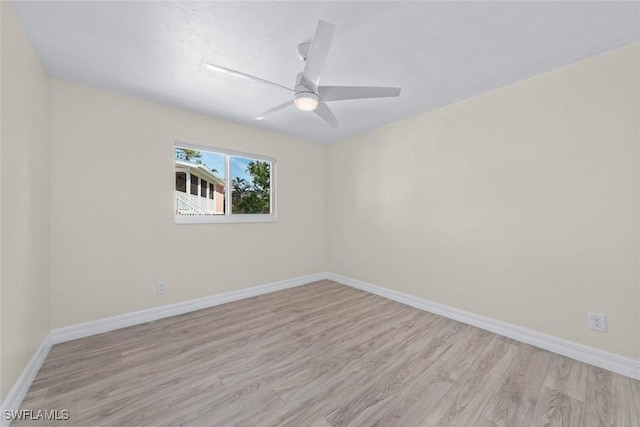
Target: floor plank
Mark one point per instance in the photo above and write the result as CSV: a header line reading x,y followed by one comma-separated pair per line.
x,y
464,402
557,409
567,377
625,399
515,400
416,400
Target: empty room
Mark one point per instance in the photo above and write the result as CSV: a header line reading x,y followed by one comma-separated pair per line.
x,y
320,214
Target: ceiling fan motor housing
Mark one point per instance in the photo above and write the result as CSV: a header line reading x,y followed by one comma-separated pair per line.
x,y
306,100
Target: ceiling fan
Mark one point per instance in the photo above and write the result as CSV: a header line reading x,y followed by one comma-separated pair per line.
x,y
308,94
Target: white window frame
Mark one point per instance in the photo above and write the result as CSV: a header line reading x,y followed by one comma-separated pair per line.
x,y
229,217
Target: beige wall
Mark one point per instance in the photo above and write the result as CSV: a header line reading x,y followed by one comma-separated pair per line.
x,y
112,188
521,204
25,200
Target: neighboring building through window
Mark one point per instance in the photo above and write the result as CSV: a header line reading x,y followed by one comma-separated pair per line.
x,y
202,193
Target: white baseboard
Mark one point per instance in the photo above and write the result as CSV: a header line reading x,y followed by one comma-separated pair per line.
x,y
593,356
99,326
14,399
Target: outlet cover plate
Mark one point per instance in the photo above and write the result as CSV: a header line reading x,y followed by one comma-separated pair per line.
x,y
161,288
598,322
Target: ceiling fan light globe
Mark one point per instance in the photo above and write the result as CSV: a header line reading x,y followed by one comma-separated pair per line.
x,y
306,101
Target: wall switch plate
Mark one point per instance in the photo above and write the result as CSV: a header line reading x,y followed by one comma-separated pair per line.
x,y
598,322
161,287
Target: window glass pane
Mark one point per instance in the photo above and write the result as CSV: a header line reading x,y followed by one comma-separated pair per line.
x,y
203,188
194,184
202,173
250,181
181,182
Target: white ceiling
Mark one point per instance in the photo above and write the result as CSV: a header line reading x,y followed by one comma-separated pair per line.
x,y
437,52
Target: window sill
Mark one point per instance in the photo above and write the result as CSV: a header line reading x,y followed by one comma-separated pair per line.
x,y
223,219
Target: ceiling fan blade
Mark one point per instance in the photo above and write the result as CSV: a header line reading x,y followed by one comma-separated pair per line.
x,y
327,115
341,93
274,110
318,53
244,76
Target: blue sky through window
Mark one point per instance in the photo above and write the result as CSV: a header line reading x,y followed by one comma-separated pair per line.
x,y
216,161
239,168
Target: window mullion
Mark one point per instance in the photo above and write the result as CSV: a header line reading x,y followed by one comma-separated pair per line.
x,y
227,188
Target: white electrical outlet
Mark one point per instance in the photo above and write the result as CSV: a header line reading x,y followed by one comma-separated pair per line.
x,y
341,263
598,322
161,287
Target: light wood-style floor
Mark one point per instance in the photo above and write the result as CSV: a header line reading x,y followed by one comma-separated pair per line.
x,y
323,355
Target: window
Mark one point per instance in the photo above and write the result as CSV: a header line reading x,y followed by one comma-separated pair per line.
x,y
223,186
203,188
194,184
181,182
